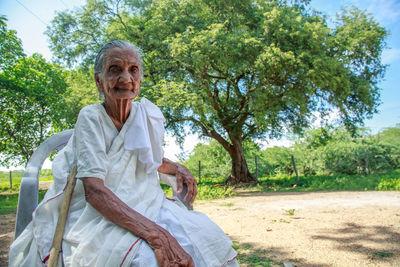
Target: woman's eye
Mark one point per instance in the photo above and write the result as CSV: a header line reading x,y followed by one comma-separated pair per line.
x,y
114,69
134,69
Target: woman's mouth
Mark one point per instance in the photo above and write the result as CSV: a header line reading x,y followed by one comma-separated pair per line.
x,y
121,93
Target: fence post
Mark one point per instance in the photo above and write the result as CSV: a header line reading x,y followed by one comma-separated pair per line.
x,y
199,171
295,169
366,168
10,179
256,168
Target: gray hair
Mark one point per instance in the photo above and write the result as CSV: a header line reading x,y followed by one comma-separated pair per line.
x,y
99,62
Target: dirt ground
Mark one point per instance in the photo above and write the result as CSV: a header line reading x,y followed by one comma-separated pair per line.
x,y
314,229
308,229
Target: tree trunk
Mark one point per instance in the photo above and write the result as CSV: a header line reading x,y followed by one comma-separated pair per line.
x,y
240,172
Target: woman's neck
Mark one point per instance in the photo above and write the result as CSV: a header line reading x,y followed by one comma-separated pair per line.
x,y
118,110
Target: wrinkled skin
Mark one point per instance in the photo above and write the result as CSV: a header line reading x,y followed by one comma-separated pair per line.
x,y
120,82
182,175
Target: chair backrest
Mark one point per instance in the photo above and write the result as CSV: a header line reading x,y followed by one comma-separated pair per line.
x,y
29,188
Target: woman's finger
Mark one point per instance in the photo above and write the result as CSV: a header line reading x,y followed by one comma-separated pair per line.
x,y
179,182
194,194
189,193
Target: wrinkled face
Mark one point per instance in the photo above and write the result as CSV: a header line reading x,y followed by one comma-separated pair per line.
x,y
120,77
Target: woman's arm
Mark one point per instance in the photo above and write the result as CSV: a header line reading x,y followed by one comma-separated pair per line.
x,y
183,175
167,250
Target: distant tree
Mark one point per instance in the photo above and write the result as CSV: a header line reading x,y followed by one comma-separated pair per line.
x,y
237,70
32,94
215,160
336,150
390,135
10,46
82,91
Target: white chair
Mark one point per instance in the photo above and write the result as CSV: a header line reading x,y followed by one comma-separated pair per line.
x,y
29,188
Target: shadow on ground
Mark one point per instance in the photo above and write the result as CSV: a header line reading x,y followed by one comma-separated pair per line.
x,y
351,235
255,193
250,254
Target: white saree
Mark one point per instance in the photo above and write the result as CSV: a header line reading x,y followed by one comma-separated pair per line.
x,y
127,161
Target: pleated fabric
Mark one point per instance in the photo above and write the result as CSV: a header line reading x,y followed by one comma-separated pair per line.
x,y
127,161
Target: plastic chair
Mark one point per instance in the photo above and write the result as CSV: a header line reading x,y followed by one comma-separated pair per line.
x,y
29,188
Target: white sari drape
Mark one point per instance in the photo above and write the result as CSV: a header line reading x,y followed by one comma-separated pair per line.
x,y
127,161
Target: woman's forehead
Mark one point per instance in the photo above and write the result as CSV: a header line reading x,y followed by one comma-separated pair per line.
x,y
120,55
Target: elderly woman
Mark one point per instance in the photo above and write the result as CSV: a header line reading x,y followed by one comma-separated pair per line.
x,y
119,216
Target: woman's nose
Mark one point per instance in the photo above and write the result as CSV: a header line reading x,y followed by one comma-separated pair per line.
x,y
125,77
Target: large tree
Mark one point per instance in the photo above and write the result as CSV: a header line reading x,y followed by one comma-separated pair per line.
x,y
32,94
237,70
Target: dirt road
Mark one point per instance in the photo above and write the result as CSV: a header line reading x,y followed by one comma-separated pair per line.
x,y
308,229
314,229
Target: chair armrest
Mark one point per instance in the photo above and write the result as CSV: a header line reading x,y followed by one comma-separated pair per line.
x,y
171,181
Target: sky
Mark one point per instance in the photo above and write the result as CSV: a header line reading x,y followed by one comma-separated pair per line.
x,y
31,17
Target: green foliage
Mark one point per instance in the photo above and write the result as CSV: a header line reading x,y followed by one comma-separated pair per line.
x,y
32,93
209,191
333,151
205,191
215,160
319,151
289,212
353,158
9,202
382,181
10,46
82,91
383,254
277,160
390,135
389,184
237,70
45,175
249,255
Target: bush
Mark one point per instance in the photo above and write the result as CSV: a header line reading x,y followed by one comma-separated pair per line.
x,y
354,158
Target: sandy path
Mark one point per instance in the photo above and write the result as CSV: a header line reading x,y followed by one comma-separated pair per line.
x,y
7,223
326,229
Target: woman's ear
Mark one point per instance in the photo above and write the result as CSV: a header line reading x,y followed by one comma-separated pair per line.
x,y
99,84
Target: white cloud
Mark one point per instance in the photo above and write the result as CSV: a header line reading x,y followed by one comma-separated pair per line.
x,y
390,55
385,11
172,150
284,141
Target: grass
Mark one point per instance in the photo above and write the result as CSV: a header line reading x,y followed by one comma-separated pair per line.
x,y
9,196
213,188
9,202
381,182
45,175
382,254
248,255
206,191
289,212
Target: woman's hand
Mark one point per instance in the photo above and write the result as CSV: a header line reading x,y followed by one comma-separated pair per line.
x,y
167,250
182,175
